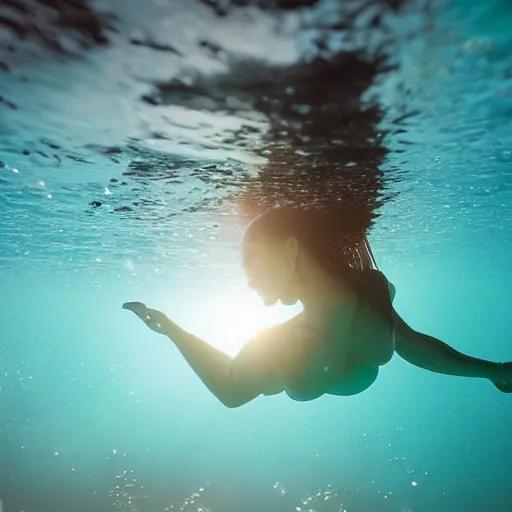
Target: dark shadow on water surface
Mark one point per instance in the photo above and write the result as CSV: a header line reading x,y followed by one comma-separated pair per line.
x,y
323,144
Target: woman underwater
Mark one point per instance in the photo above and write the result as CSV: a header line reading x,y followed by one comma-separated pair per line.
x,y
347,329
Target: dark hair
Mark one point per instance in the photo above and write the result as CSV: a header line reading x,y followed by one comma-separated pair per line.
x,y
337,243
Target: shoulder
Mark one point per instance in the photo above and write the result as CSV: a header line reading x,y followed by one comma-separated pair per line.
x,y
261,357
380,282
271,347
272,337
392,290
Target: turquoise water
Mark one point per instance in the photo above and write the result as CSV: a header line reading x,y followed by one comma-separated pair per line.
x,y
98,413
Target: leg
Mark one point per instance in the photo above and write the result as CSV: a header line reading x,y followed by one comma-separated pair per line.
x,y
432,354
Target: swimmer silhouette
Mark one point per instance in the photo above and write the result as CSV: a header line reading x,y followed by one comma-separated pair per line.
x,y
348,327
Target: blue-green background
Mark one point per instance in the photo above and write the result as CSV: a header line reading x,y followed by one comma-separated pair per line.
x,y
98,413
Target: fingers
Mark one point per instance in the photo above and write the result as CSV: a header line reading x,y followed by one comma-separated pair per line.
x,y
140,309
151,317
134,306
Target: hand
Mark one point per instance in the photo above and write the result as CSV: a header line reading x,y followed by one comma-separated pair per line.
x,y
154,319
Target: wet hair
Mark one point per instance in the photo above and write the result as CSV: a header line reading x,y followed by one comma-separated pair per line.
x,y
337,243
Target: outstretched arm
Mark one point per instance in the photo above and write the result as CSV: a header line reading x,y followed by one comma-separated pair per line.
x,y
433,354
234,381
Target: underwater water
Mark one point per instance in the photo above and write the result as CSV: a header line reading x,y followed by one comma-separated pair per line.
x,y
135,140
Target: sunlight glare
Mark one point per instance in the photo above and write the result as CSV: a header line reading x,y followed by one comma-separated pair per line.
x,y
230,319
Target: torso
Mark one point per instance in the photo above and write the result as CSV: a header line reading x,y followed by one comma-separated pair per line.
x,y
309,361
